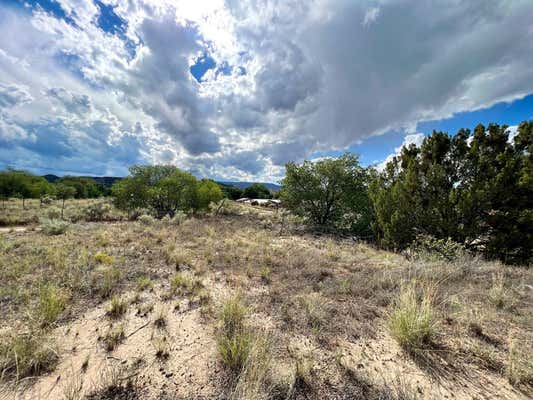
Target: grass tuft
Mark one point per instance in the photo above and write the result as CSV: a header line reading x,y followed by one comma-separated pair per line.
x,y
412,321
117,307
26,354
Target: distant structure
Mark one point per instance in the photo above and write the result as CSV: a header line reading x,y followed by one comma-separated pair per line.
x,y
260,202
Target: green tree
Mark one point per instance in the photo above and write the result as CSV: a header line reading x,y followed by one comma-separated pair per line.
x,y
64,192
207,192
162,189
329,193
473,188
257,191
231,192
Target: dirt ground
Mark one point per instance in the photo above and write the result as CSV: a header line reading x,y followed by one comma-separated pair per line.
x,y
323,305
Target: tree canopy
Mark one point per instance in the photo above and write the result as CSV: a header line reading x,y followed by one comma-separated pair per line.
x,y
329,193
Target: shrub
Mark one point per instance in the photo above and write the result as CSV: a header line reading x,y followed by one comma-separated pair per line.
x,y
146,219
52,302
103,258
26,354
97,211
53,213
412,321
431,248
54,226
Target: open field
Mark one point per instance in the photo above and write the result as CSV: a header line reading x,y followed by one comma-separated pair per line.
x,y
238,306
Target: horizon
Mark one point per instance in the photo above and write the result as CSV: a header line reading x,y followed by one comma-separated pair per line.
x,y
232,91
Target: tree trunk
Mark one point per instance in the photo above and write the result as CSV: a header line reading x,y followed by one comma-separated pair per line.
x,y
62,208
23,203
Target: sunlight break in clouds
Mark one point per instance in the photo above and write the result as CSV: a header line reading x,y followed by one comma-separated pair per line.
x,y
235,89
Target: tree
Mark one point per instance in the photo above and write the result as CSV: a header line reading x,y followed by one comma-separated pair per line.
x,y
64,192
207,192
85,187
231,192
329,193
476,189
162,189
257,191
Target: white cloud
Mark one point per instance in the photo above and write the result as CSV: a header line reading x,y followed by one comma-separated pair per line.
x,y
371,15
415,138
291,78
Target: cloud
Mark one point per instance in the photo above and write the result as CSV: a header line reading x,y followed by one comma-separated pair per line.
x,y
13,95
415,138
370,16
290,78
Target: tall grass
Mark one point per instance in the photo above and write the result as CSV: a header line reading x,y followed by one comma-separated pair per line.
x,y
412,321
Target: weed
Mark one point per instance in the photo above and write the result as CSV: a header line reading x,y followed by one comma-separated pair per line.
x,y
234,350
519,369
108,280
184,283
146,219
232,316
162,347
72,388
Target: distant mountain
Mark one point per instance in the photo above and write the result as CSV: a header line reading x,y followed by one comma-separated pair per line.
x,y
108,181
244,185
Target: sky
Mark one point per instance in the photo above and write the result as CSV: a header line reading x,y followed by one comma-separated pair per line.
x,y
233,90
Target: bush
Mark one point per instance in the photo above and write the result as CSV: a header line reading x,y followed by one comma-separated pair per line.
x,y
431,248
97,211
146,219
53,213
54,226
412,321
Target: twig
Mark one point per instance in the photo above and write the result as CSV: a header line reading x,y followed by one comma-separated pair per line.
x,y
138,329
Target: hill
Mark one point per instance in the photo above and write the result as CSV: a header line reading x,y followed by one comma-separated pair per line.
x,y
110,180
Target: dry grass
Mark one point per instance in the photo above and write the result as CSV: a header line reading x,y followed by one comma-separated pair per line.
x,y
412,321
318,290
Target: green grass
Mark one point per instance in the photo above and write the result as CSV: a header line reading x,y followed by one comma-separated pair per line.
x,y
143,283
26,354
52,303
412,321
117,307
